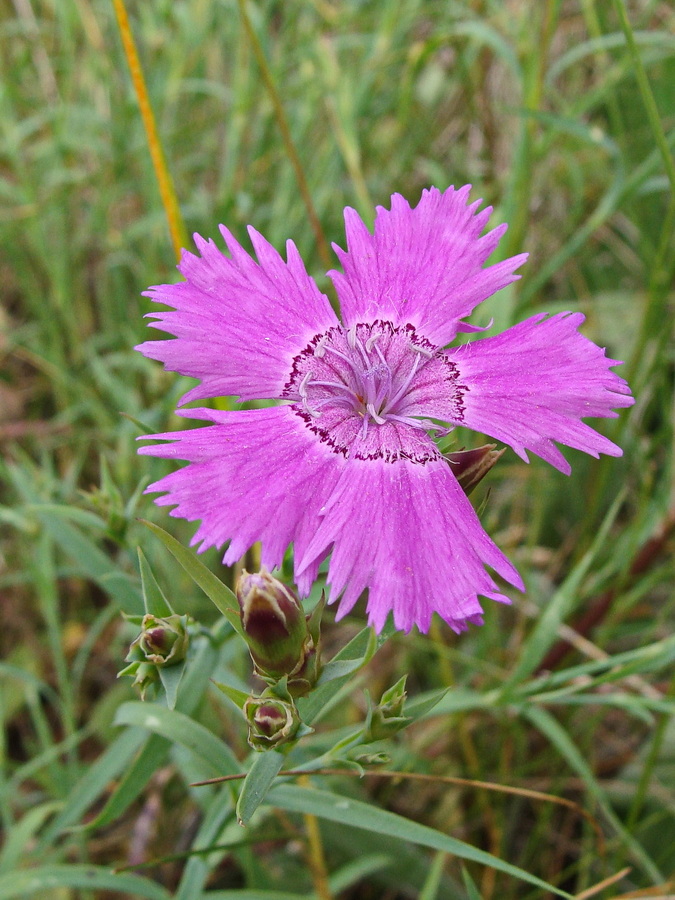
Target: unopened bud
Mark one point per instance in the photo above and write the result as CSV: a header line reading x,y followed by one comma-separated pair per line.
x,y
277,631
162,642
471,466
387,718
271,721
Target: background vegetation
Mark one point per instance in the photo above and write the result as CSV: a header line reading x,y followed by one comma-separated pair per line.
x,y
562,115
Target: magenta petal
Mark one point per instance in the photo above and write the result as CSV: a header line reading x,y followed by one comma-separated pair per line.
x,y
532,385
238,324
408,534
254,475
422,266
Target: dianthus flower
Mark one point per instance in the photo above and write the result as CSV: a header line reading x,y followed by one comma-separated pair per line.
x,y
347,464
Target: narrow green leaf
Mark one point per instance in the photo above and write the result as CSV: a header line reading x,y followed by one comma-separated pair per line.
x,y
470,885
353,656
22,833
153,598
356,870
564,744
558,607
483,33
356,814
94,782
339,668
148,761
190,693
170,676
199,867
257,783
432,883
204,578
236,696
253,894
46,880
181,729
422,706
92,561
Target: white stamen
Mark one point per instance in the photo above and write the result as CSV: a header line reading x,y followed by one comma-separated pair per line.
x,y
422,350
302,387
370,343
376,418
351,336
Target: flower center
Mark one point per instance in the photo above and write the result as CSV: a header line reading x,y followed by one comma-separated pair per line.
x,y
358,385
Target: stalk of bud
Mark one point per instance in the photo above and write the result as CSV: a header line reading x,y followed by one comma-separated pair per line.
x,y
271,721
471,466
282,641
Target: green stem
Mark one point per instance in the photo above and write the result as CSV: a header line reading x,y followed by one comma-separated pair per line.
x,y
664,263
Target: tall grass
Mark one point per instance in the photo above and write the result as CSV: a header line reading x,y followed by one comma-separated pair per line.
x,y
562,115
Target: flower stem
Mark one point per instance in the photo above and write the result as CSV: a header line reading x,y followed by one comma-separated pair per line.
x,y
282,122
166,189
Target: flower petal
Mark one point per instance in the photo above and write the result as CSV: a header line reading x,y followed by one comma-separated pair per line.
x,y
532,385
408,534
238,324
254,475
422,266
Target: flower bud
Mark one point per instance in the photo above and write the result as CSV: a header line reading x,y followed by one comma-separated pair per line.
x,y
387,718
162,642
279,636
271,721
471,466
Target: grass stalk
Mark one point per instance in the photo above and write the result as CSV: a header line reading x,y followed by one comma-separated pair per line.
x,y
315,857
179,237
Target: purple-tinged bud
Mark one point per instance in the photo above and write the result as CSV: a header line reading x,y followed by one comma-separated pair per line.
x,y
271,721
280,638
471,466
162,642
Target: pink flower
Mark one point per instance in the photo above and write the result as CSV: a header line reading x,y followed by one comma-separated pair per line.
x,y
346,464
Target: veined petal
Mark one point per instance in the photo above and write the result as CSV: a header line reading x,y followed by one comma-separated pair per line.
x,y
253,475
533,384
423,266
238,324
406,532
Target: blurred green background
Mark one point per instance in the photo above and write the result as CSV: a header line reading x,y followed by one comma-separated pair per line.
x,y
562,116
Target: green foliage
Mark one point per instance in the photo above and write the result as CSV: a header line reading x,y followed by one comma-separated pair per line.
x,y
562,117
